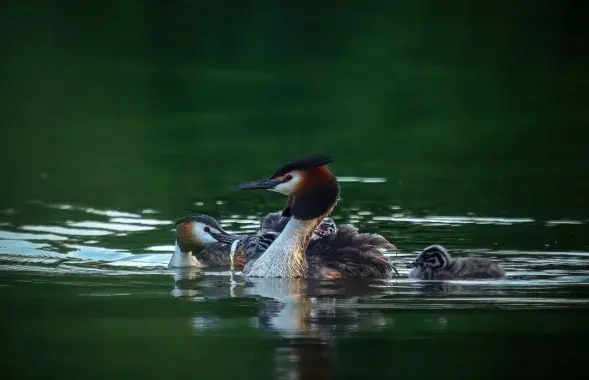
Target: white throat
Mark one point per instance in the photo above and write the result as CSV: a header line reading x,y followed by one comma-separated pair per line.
x,y
285,257
183,259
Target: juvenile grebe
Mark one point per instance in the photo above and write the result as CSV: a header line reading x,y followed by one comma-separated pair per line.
x,y
193,238
202,242
312,194
435,263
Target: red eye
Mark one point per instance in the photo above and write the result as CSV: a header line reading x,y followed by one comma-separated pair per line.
x,y
287,178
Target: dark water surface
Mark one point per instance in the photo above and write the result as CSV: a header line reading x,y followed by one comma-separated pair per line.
x,y
459,124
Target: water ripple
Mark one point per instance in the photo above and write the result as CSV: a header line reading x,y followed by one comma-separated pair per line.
x,y
149,222
67,231
110,226
127,244
8,235
442,220
362,179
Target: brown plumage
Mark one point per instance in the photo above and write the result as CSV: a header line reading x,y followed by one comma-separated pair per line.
x,y
313,192
350,254
202,242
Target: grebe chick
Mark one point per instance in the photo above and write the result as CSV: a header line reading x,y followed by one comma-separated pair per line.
x,y
435,263
313,192
245,248
275,221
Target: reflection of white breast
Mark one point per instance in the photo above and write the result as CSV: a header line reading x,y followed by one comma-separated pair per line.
x,y
288,320
182,279
415,272
282,289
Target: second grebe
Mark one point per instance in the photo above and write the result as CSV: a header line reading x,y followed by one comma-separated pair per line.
x,y
313,193
202,242
435,263
195,246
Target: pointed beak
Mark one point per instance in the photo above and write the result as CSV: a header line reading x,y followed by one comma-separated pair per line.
x,y
412,264
224,237
265,184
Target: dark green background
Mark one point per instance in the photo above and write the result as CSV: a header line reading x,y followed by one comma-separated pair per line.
x,y
464,107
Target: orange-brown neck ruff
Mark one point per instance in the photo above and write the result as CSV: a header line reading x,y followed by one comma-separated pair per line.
x,y
313,179
316,195
185,238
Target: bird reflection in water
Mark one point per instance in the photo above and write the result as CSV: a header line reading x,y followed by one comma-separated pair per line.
x,y
304,359
306,315
186,282
192,282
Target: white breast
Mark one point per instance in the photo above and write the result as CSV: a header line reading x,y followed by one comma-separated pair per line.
x,y
183,260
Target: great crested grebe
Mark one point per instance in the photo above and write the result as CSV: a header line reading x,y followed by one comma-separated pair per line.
x,y
247,248
195,246
202,242
312,194
435,263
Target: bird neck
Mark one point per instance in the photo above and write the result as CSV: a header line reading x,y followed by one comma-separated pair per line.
x,y
285,257
183,257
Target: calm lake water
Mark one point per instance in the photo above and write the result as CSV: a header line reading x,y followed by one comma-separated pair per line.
x,y
454,125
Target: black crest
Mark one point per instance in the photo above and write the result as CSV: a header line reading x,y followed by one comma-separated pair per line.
x,y
204,219
308,162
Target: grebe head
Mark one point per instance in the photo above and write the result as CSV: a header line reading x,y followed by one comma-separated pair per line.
x,y
433,257
326,228
273,221
195,231
311,188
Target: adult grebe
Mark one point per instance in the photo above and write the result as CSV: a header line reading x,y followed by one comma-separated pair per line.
x,y
202,242
435,263
312,194
250,247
